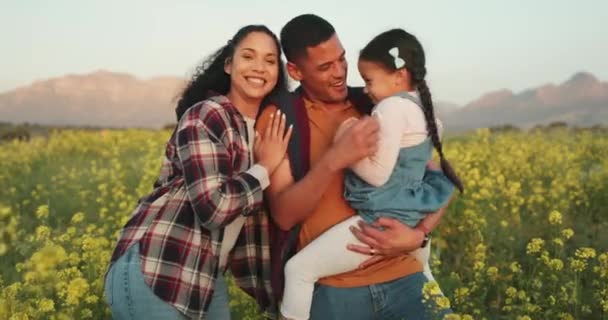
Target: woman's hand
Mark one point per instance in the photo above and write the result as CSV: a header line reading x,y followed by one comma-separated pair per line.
x,y
270,147
394,239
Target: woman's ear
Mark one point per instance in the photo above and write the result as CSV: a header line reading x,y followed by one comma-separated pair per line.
x,y
293,71
228,65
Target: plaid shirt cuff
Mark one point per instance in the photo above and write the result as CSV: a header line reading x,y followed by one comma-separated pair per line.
x,y
260,173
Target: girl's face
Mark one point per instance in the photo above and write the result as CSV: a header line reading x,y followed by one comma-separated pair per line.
x,y
254,67
380,82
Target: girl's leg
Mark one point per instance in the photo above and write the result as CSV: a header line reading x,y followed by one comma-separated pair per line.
x,y
129,296
327,255
219,309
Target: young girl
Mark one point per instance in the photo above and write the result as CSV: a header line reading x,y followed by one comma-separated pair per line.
x,y
394,182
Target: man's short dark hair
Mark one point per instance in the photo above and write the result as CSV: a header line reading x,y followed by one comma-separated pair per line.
x,y
304,31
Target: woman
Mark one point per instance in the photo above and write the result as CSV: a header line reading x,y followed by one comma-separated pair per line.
x,y
203,215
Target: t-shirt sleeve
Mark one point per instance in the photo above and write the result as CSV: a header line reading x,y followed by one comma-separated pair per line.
x,y
392,114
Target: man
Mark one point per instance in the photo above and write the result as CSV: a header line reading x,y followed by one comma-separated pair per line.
x,y
307,189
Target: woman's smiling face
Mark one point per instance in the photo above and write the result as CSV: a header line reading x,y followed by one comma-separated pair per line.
x,y
254,67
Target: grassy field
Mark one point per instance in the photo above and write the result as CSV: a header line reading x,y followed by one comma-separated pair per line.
x,y
527,240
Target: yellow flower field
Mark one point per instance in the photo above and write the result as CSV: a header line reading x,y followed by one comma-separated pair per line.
x,y
527,240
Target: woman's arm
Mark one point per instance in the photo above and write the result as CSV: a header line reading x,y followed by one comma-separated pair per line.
x,y
216,192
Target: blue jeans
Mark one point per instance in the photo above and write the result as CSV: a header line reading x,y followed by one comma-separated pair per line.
x,y
129,297
399,299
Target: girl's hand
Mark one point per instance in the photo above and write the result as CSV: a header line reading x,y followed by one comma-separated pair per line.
x,y
270,148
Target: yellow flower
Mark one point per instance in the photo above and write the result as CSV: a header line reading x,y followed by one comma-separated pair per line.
x,y
19,316
585,253
565,316
77,217
87,314
442,302
603,265
515,267
558,242
535,245
91,299
46,305
42,212
42,233
76,289
578,265
556,264
492,273
511,292
555,217
521,295
461,294
431,289
567,233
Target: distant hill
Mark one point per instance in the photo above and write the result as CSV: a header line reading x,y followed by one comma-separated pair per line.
x,y
581,101
108,99
98,99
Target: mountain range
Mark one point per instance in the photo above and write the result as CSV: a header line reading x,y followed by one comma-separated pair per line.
x,y
109,99
581,101
101,98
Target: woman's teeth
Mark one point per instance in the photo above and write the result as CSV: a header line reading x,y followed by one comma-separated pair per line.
x,y
256,81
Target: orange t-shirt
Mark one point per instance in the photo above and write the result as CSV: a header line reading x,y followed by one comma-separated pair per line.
x,y
333,208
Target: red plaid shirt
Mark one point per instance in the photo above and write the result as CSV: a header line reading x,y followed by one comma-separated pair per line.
x,y
203,186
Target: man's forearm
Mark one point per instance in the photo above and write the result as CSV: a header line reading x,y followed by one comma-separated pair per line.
x,y
297,201
431,221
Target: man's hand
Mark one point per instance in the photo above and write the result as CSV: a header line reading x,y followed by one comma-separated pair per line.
x,y
357,142
394,239
344,126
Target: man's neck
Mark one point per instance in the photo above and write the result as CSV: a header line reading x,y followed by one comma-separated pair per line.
x,y
329,105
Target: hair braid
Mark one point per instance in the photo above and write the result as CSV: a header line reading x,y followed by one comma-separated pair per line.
x,y
429,115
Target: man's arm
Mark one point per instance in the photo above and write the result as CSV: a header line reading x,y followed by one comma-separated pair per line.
x,y
431,221
396,237
291,201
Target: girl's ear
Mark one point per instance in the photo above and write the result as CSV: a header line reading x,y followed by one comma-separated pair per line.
x,y
402,77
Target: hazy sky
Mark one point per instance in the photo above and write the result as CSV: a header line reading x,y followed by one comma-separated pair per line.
x,y
472,46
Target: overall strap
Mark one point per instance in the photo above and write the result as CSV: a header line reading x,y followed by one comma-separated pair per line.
x,y
410,97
